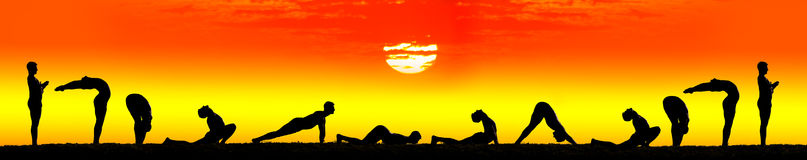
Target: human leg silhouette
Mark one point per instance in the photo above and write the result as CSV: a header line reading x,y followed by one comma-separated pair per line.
x,y
729,109
650,135
436,140
100,103
764,116
534,121
227,133
36,113
294,126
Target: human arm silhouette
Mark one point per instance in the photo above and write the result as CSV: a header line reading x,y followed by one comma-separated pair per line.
x,y
708,86
43,85
78,84
321,132
773,86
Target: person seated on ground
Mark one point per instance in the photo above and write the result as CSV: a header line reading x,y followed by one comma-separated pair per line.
x,y
679,117
642,137
298,124
544,111
485,137
219,133
140,110
381,133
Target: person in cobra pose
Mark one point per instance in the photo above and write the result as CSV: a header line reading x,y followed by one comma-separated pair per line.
x,y
729,103
100,101
219,133
298,124
544,111
764,103
140,110
679,117
35,90
642,137
381,133
485,137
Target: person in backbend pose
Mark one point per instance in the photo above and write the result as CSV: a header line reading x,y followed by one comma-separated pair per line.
x,y
764,103
485,137
381,133
642,137
219,133
140,110
100,101
35,90
544,111
729,103
679,117
298,124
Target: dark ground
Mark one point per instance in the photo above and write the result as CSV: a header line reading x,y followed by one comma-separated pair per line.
x,y
423,151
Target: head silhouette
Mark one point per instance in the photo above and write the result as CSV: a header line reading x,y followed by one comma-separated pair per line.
x,y
414,137
559,136
478,116
329,107
205,111
629,114
31,68
762,67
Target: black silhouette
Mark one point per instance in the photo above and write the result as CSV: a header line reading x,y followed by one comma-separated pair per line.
x,y
544,111
642,137
100,100
764,103
485,137
35,90
381,133
219,133
298,124
679,117
729,103
141,113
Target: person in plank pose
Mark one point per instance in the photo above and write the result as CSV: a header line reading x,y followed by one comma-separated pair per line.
x,y
298,124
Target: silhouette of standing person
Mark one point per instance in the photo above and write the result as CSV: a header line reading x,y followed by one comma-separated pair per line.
x,y
298,124
381,133
219,133
764,103
100,101
679,117
544,111
729,103
35,90
642,137
485,137
140,110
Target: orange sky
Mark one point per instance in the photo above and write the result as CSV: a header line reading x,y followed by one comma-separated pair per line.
x,y
260,63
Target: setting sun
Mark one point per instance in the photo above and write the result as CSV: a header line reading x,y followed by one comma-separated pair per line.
x,y
410,59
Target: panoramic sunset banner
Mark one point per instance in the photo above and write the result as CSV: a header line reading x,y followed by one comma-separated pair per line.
x,y
410,65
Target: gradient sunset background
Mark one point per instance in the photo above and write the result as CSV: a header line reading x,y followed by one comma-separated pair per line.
x,y
260,63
